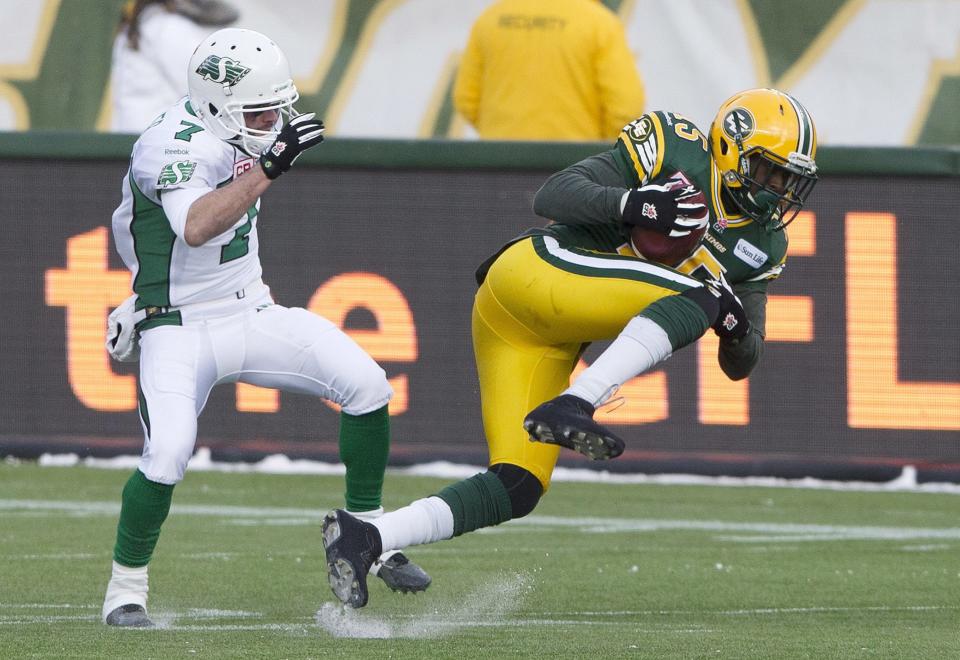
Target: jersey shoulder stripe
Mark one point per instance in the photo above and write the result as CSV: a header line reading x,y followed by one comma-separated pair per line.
x,y
642,143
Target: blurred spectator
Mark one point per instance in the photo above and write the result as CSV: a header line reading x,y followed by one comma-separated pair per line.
x,y
548,70
151,51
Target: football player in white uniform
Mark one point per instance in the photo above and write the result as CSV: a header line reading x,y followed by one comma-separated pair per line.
x,y
187,230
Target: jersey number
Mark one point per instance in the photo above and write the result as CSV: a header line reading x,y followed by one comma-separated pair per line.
x,y
239,245
701,265
187,133
684,128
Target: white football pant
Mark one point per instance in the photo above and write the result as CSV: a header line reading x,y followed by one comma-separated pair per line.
x,y
250,340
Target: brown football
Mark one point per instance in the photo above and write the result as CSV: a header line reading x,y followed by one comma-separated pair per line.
x,y
654,246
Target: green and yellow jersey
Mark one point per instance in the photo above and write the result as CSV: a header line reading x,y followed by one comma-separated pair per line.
x,y
649,150
659,144
583,203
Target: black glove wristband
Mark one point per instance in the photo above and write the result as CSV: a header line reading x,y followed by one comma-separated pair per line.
x,y
732,323
271,167
296,136
651,209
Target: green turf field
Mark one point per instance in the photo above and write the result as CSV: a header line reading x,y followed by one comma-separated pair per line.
x,y
599,570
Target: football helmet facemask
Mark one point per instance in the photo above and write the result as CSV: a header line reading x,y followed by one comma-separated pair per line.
x,y
764,144
235,71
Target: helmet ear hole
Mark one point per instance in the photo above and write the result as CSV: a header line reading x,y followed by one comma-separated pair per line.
x,y
214,111
724,147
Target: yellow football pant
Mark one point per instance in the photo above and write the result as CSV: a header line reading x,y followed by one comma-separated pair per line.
x,y
538,305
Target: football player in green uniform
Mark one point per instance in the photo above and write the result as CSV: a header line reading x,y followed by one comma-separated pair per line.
x,y
757,165
554,289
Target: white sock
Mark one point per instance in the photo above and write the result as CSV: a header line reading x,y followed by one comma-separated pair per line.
x,y
423,521
367,516
639,346
127,586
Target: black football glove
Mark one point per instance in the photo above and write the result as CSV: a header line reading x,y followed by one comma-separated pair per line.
x,y
668,211
732,323
296,136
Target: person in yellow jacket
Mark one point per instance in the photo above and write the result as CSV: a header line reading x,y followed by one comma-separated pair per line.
x,y
548,70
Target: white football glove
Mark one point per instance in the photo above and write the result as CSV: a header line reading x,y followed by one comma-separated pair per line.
x,y
122,342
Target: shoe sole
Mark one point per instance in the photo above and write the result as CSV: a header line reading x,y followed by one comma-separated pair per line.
x,y
593,446
341,573
404,589
129,620
396,580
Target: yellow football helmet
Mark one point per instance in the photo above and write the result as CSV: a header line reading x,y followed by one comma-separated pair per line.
x,y
764,143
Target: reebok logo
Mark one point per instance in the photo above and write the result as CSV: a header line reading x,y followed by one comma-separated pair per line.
x,y
688,191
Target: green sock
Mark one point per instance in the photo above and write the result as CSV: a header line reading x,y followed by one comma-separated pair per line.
x,y
480,501
145,506
364,449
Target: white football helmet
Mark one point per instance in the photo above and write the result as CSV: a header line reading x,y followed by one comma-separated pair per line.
x,y
234,71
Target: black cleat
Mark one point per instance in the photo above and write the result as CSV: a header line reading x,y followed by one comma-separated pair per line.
x,y
568,421
129,616
351,546
401,574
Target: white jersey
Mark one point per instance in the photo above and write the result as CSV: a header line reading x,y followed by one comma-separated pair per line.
x,y
176,153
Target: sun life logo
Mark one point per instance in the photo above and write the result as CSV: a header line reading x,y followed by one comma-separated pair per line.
x,y
222,70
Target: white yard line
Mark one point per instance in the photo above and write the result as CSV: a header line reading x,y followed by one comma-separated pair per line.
x,y
754,532
748,532
46,606
56,556
25,619
484,608
279,464
760,610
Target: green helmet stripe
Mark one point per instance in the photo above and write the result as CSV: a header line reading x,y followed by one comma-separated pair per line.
x,y
805,133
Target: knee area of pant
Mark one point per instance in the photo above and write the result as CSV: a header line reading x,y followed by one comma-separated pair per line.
x,y
167,477
521,485
164,468
370,390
